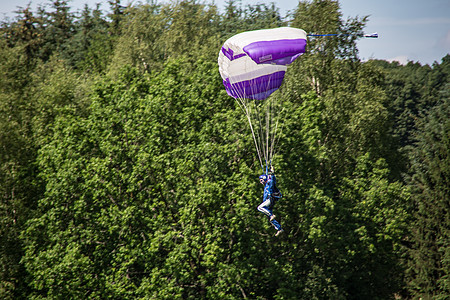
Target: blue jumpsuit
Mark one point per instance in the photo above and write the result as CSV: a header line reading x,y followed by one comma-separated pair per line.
x,y
269,201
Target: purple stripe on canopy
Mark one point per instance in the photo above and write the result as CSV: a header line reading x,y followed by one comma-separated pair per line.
x,y
282,52
229,53
258,88
285,60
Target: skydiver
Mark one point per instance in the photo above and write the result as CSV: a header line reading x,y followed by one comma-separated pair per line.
x,y
271,196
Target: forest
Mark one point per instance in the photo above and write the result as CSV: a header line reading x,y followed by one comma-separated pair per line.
x,y
127,172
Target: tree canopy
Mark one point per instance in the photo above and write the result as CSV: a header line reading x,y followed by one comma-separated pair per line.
x,y
126,171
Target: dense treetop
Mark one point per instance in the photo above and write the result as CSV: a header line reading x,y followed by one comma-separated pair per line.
x,y
126,171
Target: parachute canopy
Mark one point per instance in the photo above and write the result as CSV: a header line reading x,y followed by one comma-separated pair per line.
x,y
253,63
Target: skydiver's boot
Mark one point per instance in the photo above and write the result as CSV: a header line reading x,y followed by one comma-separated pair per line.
x,y
279,232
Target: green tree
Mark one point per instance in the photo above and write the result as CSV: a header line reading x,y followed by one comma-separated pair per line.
x,y
59,28
158,32
116,16
128,172
429,255
136,197
347,226
251,17
414,89
19,188
26,32
325,17
90,47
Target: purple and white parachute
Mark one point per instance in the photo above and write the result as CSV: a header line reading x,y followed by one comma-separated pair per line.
x,y
252,65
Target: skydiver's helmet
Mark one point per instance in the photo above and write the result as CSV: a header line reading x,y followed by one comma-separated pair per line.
x,y
263,178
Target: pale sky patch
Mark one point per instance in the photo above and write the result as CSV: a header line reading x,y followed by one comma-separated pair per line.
x,y
445,41
410,22
402,59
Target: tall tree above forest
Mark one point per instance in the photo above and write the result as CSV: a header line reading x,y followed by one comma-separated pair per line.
x,y
91,46
429,272
59,28
325,17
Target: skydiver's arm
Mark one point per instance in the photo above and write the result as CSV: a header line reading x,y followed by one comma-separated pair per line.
x,y
266,193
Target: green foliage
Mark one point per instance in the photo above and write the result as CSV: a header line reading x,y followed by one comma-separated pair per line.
x,y
164,196
90,47
18,183
429,264
413,89
126,171
320,17
156,33
356,215
58,26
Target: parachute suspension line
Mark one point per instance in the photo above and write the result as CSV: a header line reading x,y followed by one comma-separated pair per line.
x,y
263,117
275,114
270,118
255,141
276,135
268,127
243,104
254,113
257,117
271,112
270,115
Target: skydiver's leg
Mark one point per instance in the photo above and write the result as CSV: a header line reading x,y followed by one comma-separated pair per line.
x,y
272,220
265,208
272,204
276,225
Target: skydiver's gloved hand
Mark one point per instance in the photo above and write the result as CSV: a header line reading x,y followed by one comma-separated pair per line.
x,y
272,170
